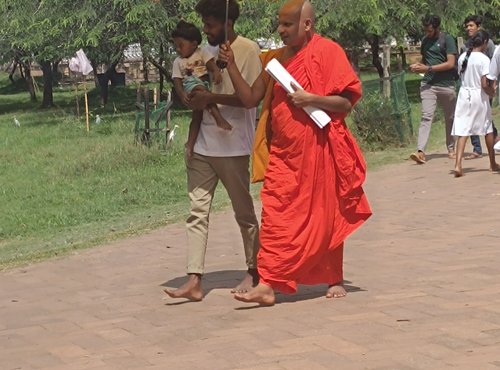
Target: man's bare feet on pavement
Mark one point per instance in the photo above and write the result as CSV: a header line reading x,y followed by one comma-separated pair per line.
x,y
495,168
336,291
261,294
250,280
458,172
190,290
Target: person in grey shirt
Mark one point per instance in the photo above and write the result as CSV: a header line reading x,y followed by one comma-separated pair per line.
x,y
472,25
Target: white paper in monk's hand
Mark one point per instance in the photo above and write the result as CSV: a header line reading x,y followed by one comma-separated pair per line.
x,y
285,79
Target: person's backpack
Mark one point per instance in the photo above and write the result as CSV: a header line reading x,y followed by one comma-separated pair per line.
x,y
442,46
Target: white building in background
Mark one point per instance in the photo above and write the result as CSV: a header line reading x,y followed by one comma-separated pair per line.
x,y
266,44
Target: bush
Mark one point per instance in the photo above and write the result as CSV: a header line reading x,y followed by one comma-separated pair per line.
x,y
375,123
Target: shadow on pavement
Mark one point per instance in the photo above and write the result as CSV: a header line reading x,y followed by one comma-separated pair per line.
x,y
228,279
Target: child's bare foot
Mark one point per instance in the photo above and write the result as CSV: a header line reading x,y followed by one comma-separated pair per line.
x,y
223,124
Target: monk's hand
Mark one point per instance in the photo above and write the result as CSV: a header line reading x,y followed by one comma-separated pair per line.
x,y
226,53
300,98
198,99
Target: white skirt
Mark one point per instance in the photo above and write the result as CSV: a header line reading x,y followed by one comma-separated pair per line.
x,y
472,113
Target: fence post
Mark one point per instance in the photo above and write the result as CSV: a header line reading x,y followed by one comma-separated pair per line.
x,y
386,64
460,44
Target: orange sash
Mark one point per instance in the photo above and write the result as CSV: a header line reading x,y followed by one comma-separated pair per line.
x,y
260,155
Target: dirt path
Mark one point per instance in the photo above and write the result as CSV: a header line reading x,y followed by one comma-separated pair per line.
x,y
423,276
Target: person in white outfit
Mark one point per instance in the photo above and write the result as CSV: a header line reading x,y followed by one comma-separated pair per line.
x,y
473,111
493,78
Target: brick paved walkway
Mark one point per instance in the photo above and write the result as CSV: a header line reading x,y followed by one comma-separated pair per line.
x,y
423,276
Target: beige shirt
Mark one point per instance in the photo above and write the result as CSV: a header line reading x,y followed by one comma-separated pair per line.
x,y
216,142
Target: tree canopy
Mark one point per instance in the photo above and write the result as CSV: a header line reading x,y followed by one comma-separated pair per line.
x,y
46,31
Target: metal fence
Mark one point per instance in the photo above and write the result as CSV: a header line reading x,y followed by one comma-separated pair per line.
x,y
389,94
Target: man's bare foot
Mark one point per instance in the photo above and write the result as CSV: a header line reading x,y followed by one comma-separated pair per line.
x,y
250,280
190,290
336,291
495,168
261,294
458,172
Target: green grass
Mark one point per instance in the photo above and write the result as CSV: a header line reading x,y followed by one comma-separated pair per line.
x,y
63,189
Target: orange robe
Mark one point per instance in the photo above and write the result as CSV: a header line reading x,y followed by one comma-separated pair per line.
x,y
312,198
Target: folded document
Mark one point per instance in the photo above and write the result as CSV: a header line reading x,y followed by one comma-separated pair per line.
x,y
281,75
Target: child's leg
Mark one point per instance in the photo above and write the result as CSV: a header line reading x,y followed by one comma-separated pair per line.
x,y
462,140
221,121
194,129
490,142
214,111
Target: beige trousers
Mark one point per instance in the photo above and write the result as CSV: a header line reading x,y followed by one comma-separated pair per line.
x,y
203,174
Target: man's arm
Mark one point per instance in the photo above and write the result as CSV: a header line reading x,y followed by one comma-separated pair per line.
x,y
249,95
422,68
494,69
489,88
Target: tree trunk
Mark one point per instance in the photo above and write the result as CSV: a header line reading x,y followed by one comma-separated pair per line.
x,y
159,72
145,69
353,55
21,70
55,71
48,97
13,70
374,45
404,64
94,71
29,80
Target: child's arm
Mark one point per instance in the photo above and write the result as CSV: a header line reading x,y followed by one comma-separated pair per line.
x,y
214,71
179,89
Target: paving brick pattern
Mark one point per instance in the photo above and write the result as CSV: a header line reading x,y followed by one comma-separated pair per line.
x,y
423,277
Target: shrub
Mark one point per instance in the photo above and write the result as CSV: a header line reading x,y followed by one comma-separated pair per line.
x,y
375,123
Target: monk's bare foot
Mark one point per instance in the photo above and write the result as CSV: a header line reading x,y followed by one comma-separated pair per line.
x,y
261,294
458,172
336,291
495,168
250,280
190,290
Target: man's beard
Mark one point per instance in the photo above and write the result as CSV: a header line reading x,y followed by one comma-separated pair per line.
x,y
219,39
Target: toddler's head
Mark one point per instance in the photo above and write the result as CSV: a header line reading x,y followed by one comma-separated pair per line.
x,y
186,39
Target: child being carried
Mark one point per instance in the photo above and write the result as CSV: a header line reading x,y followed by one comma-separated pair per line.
x,y
190,72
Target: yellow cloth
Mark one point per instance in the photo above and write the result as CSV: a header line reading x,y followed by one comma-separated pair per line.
x,y
260,152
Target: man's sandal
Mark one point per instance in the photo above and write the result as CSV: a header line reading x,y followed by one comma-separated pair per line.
x,y
473,155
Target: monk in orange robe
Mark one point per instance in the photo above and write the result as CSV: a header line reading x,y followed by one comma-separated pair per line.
x,y
312,197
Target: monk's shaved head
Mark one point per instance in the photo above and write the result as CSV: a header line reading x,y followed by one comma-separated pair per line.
x,y
300,8
296,23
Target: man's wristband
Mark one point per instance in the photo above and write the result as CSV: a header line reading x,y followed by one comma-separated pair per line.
x,y
429,70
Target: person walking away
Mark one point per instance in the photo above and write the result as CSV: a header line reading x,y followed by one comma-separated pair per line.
x,y
473,111
472,25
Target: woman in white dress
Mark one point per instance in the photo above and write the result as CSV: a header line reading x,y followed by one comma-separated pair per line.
x,y
473,110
